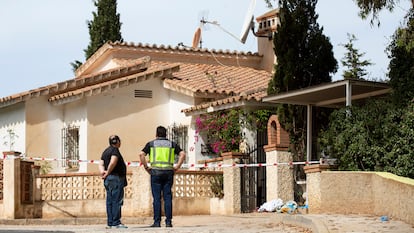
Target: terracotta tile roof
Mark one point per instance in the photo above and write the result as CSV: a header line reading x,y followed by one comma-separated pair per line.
x,y
213,74
216,79
152,72
69,87
178,48
244,99
177,53
212,80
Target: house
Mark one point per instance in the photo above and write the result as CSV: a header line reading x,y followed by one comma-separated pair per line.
x,y
128,89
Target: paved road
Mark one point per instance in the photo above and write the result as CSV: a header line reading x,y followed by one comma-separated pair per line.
x,y
242,223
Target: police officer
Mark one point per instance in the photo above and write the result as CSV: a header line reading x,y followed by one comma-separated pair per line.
x,y
161,157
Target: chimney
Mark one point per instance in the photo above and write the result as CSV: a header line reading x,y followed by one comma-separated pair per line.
x,y
267,26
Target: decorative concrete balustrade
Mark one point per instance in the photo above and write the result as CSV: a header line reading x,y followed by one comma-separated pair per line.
x,y
83,195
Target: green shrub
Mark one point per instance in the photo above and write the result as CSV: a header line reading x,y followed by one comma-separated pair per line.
x,y
376,136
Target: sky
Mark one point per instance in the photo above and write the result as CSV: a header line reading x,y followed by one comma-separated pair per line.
x,y
40,39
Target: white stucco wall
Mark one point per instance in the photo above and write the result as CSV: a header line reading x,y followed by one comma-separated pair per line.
x,y
133,119
177,103
13,118
103,65
74,114
39,123
43,130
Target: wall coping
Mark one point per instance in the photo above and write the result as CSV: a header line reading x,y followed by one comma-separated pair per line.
x,y
213,160
233,155
314,168
274,147
385,175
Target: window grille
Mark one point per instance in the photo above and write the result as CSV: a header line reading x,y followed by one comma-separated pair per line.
x,y
178,134
70,147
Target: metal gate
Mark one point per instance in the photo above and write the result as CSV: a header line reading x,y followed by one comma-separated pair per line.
x,y
253,179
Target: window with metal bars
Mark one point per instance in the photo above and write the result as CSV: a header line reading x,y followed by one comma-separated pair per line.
x,y
178,134
70,147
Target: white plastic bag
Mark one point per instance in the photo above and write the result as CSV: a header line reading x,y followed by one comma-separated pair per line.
x,y
271,206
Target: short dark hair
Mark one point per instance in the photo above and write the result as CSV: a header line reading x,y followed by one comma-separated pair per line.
x,y
114,139
161,132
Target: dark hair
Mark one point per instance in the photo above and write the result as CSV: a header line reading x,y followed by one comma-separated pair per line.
x,y
114,139
161,132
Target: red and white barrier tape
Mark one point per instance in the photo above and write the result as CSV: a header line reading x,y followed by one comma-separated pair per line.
x,y
138,164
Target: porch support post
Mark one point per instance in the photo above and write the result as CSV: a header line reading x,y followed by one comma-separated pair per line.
x,y
309,133
348,93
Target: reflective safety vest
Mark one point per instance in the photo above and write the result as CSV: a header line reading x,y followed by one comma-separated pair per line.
x,y
162,154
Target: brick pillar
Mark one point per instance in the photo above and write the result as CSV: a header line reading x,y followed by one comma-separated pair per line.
x,y
231,183
11,187
279,178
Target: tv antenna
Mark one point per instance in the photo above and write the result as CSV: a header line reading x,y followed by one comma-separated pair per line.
x,y
248,23
197,39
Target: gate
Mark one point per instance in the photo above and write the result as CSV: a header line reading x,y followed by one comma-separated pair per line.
x,y
27,178
253,179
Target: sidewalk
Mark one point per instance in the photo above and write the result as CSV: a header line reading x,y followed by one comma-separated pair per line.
x,y
241,223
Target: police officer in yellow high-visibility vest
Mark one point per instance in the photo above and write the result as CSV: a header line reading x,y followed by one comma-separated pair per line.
x,y
161,157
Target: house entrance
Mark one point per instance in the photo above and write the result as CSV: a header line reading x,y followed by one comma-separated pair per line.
x,y
253,179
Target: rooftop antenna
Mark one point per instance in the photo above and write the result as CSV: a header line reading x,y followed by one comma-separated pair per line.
x,y
248,22
197,39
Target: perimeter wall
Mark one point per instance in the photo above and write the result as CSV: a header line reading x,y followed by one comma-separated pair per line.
x,y
373,193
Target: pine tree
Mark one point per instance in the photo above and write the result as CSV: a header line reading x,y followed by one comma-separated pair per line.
x,y
304,58
352,60
105,26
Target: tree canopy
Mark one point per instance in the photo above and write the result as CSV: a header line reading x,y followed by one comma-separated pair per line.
x,y
401,67
376,136
105,26
373,7
304,54
368,7
379,136
352,60
304,58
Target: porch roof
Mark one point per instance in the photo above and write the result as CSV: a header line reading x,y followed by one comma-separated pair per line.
x,y
334,94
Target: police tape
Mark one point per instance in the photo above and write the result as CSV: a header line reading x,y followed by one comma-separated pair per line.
x,y
198,165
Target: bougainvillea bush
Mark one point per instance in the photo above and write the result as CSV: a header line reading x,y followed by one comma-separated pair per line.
x,y
222,130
